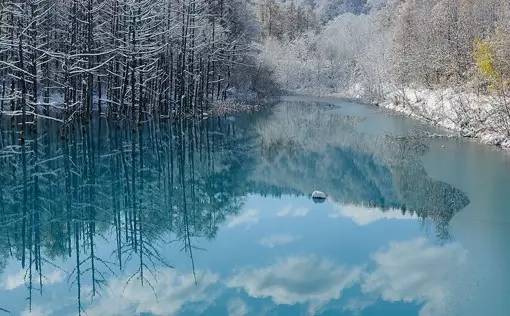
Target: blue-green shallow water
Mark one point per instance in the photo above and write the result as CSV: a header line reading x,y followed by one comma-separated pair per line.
x,y
215,218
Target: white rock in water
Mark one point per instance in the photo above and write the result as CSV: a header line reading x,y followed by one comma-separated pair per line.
x,y
318,195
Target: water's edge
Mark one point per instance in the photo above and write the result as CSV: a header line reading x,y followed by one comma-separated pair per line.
x,y
494,140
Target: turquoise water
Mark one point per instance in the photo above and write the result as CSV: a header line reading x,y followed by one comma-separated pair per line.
x,y
215,217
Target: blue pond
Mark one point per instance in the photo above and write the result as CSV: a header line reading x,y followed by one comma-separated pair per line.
x,y
215,217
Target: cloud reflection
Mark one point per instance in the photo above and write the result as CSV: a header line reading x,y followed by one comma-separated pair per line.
x,y
419,272
362,215
246,218
416,272
170,293
291,211
297,280
17,279
277,240
37,311
237,307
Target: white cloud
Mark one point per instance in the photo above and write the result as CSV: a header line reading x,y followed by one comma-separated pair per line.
x,y
273,241
364,216
246,218
419,272
297,280
291,211
172,291
237,307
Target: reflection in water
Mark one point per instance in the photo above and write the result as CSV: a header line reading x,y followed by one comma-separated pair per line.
x,y
298,280
305,150
416,271
139,188
362,215
169,295
59,196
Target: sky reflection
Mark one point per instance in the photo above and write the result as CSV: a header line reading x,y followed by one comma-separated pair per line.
x,y
215,218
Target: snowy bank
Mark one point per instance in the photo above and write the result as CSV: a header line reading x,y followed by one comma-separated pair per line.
x,y
483,117
229,106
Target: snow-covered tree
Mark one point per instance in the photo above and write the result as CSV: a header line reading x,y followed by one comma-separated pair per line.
x,y
65,59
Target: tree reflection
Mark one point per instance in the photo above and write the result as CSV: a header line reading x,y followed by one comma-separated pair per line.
x,y
139,185
65,190
306,147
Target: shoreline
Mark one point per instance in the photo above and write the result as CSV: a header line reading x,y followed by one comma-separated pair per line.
x,y
467,115
471,116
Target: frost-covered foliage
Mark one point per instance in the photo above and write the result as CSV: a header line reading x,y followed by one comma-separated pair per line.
x,y
62,59
455,52
285,21
471,115
327,10
349,52
408,42
391,47
435,40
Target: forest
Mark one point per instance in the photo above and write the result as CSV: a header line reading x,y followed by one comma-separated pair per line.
x,y
443,61
375,44
63,60
446,62
136,135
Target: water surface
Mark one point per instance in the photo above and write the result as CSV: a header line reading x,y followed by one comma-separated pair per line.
x,y
215,217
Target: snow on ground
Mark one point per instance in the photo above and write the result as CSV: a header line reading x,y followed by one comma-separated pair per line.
x,y
483,117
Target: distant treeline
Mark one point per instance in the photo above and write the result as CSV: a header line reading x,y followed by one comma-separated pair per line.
x,y
377,46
